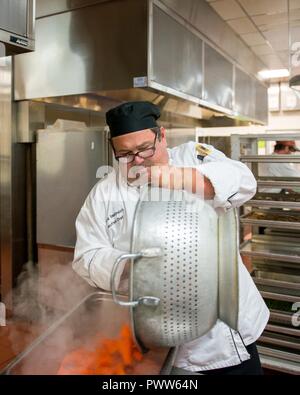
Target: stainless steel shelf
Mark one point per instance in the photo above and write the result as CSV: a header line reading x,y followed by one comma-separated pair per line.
x,y
286,289
271,199
275,258
284,355
278,183
244,219
281,317
284,330
281,361
279,273
283,232
284,293
278,284
280,340
286,238
278,296
273,203
270,135
283,269
270,158
270,250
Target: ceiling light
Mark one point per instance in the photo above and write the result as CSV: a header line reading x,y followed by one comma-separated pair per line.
x,y
268,74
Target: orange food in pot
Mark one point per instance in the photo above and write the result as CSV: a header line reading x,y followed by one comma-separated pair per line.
x,y
108,356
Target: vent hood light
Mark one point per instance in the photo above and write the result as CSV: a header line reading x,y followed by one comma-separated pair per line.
x,y
268,74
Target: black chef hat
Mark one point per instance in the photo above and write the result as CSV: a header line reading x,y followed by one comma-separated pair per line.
x,y
132,117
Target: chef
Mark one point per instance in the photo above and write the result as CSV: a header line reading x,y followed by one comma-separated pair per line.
x,y
104,226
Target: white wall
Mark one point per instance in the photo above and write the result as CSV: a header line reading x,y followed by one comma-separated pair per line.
x,y
285,121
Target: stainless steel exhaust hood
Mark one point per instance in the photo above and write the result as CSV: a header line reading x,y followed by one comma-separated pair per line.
x,y
135,49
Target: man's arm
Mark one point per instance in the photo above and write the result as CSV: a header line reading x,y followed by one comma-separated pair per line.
x,y
227,182
186,178
233,182
94,254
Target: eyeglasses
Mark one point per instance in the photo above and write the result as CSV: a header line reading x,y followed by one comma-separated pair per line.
x,y
144,153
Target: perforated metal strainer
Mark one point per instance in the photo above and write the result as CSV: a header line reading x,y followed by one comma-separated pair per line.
x,y
184,273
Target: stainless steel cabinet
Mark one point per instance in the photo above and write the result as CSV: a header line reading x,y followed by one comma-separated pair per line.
x,y
17,22
13,16
67,164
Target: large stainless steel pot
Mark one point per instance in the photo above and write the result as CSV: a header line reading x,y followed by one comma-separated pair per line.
x,y
183,271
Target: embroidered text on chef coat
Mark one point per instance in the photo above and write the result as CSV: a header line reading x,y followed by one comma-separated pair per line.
x,y
114,218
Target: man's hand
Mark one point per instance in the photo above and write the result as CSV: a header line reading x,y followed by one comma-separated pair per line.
x,y
171,177
166,176
185,178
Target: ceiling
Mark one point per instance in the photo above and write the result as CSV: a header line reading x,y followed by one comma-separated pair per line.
x,y
262,25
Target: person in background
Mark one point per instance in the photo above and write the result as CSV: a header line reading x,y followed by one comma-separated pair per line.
x,y
104,226
286,147
278,169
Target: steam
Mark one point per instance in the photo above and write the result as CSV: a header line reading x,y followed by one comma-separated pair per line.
x,y
41,297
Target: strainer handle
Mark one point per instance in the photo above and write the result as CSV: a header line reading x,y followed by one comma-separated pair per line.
x,y
147,300
113,278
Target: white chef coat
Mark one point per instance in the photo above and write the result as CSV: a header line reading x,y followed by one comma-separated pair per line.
x,y
104,227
